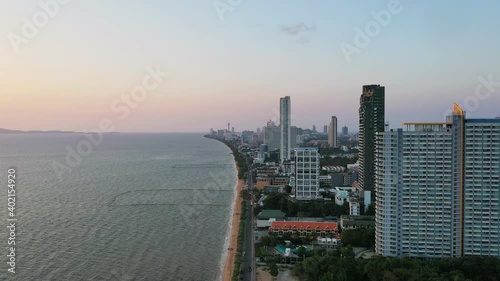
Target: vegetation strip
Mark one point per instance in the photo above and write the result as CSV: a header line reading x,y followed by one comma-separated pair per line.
x,y
242,170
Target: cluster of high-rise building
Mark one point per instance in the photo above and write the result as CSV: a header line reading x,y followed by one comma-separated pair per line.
x,y
436,185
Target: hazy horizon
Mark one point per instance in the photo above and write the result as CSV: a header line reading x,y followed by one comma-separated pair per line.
x,y
232,62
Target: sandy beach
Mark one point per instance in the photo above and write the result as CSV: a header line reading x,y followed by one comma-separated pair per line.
x,y
233,239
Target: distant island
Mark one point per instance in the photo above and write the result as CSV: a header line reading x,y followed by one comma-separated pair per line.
x,y
7,131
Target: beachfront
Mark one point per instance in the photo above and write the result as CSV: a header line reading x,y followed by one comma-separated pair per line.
x,y
233,238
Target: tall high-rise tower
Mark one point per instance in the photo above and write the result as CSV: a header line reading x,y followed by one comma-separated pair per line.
x,y
438,183
371,121
332,132
285,116
272,136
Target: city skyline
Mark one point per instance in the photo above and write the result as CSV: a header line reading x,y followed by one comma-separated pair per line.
x,y
68,74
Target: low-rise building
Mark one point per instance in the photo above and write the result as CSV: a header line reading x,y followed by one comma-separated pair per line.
x,y
266,217
302,228
334,169
280,180
327,243
352,222
262,181
350,177
325,181
266,171
274,188
342,194
354,208
288,167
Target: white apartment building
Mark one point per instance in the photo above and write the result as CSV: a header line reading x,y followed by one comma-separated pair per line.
x,y
307,171
481,212
437,189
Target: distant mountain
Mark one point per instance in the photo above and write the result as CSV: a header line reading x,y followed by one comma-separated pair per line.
x,y
7,131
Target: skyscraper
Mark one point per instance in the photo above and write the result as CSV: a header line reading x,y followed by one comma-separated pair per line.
x,y
481,188
285,116
307,171
293,137
332,132
325,129
345,131
437,189
314,128
371,121
272,136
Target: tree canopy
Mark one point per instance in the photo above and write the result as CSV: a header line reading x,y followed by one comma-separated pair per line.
x,y
334,268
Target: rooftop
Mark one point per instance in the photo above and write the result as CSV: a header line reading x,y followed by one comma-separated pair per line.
x,y
268,214
357,218
301,225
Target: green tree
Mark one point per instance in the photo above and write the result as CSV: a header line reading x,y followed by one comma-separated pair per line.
x,y
301,251
359,237
347,252
273,269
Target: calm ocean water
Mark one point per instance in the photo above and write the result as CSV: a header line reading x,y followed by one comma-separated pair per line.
x,y
138,207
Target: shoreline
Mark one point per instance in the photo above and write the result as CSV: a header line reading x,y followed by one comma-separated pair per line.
x,y
231,254
228,268
227,235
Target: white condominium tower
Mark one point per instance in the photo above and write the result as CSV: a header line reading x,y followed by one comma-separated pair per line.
x,y
307,171
285,116
438,189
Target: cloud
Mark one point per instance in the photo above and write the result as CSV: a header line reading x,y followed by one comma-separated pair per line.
x,y
297,29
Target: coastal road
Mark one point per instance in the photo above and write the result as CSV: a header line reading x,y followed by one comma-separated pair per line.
x,y
248,264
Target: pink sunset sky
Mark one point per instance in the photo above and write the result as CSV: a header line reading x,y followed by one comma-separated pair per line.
x,y
235,69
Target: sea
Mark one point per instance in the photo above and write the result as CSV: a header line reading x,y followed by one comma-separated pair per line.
x,y
121,207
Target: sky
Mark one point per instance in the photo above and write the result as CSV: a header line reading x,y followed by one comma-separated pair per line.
x,y
71,64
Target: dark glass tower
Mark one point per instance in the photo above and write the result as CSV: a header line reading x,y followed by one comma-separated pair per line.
x,y
371,120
